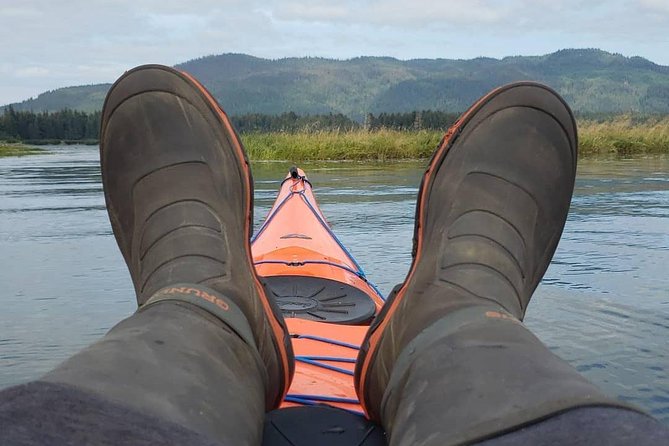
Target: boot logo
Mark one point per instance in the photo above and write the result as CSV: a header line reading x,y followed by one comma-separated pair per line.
x,y
223,305
498,315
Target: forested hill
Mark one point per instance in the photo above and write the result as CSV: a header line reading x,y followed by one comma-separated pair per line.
x,y
591,80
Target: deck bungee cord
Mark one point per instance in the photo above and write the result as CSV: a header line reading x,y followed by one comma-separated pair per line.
x,y
313,400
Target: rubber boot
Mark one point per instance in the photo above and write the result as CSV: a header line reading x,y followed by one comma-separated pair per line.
x,y
172,363
179,194
447,361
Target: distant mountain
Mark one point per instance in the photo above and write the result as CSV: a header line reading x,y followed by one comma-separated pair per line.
x,y
86,98
591,80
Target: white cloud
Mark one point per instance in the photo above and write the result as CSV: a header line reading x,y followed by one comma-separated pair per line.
x,y
314,11
48,44
659,6
389,12
33,71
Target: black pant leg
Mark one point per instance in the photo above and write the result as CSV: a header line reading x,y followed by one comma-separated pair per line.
x,y
589,426
172,362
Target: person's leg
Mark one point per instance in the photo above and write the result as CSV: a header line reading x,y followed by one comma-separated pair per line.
x,y
485,380
591,426
448,360
173,365
207,349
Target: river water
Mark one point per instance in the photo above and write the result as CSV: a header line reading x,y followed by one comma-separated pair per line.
x,y
603,304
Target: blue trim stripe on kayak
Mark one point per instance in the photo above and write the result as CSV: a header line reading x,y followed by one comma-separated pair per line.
x,y
360,272
270,217
313,400
332,234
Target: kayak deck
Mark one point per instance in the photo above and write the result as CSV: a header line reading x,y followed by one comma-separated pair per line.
x,y
325,357
328,304
309,271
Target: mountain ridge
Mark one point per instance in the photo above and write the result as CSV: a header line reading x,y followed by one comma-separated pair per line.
x,y
591,80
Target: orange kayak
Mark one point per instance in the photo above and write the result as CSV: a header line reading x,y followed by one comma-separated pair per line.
x,y
322,291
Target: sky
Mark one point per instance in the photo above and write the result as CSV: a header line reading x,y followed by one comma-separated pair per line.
x,y
48,44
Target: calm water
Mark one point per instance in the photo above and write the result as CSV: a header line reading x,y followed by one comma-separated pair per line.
x,y
603,305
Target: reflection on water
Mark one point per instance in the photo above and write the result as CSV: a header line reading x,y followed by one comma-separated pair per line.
x,y
603,305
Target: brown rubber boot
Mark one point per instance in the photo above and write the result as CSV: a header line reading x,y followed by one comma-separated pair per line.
x,y
179,193
447,354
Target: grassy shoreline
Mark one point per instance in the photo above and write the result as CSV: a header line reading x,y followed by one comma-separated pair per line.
x,y
354,145
621,136
7,149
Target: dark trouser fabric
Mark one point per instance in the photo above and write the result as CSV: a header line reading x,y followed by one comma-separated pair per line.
x,y
172,362
41,413
589,426
470,377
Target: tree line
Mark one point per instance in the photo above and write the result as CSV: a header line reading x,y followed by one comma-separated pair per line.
x,y
64,125
77,126
291,122
415,120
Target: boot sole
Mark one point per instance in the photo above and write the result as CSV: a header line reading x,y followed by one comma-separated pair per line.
x,y
183,85
369,346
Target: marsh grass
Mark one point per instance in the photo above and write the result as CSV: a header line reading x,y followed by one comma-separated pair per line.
x,y
7,149
624,136
355,145
620,136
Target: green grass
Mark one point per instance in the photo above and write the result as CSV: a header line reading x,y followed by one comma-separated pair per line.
x,y
353,145
621,136
7,149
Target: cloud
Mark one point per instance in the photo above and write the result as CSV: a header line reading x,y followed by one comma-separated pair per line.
x,y
33,71
389,12
314,11
658,6
49,44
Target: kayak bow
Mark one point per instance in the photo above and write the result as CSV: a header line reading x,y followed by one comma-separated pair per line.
x,y
309,271
322,291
